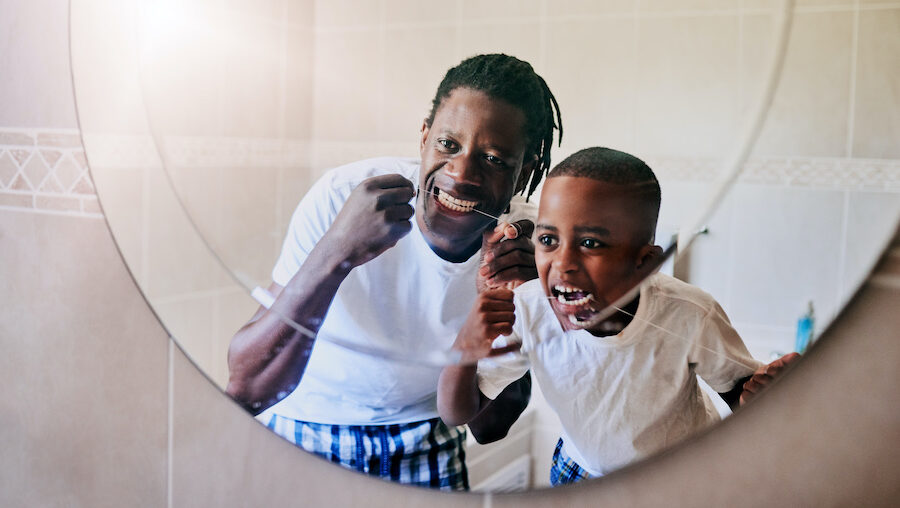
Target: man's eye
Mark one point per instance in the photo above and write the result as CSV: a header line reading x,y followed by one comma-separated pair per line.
x,y
546,240
446,143
493,159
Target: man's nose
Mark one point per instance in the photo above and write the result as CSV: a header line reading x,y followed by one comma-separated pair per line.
x,y
464,169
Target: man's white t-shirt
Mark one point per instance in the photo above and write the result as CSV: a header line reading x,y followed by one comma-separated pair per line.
x,y
406,300
621,398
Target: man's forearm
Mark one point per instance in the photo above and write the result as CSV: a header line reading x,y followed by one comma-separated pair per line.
x,y
267,357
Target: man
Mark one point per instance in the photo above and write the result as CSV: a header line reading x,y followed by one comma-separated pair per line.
x,y
361,266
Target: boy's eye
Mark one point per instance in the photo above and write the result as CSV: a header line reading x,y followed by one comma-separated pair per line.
x,y
590,243
546,240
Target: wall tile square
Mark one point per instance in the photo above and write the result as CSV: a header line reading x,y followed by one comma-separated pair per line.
x,y
343,13
655,6
33,56
518,39
872,219
590,7
876,124
348,85
246,240
412,12
251,80
178,259
808,116
189,319
687,85
786,252
181,62
591,70
297,112
415,62
85,365
707,262
122,192
500,9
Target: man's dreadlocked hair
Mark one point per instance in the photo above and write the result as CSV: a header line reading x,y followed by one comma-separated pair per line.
x,y
514,81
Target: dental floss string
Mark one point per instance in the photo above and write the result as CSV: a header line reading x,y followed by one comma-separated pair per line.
x,y
473,209
689,341
685,339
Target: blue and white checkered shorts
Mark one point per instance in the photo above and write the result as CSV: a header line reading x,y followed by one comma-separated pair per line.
x,y
565,470
426,453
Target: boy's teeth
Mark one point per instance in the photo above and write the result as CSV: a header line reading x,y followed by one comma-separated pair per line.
x,y
459,205
565,290
581,301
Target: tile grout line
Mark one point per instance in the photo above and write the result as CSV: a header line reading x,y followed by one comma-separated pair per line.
x,y
170,421
842,256
636,72
854,53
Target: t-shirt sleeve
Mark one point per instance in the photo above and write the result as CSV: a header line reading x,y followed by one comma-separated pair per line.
x,y
311,219
719,355
497,372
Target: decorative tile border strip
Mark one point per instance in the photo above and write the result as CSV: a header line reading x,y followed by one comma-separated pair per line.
x,y
823,173
45,171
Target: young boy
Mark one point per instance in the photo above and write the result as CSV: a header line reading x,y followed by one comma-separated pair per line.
x,y
621,376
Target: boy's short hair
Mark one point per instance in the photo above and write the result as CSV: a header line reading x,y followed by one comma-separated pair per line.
x,y
615,167
514,81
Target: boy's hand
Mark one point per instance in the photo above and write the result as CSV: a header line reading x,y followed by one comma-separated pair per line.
x,y
493,315
507,256
765,375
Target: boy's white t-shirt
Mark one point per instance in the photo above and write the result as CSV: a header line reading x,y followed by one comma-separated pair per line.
x,y
407,300
621,398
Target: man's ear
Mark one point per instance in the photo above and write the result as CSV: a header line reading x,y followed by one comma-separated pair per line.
x,y
649,258
425,130
527,167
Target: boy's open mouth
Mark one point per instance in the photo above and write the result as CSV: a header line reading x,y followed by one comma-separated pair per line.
x,y
574,303
570,296
454,204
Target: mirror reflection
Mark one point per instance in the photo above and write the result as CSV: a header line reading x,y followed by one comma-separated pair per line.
x,y
247,108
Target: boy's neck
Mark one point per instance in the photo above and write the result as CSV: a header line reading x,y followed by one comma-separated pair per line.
x,y
614,324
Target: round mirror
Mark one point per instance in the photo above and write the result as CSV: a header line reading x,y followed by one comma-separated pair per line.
x,y
206,123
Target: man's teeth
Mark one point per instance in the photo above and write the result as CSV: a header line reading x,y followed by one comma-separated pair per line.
x,y
564,292
459,205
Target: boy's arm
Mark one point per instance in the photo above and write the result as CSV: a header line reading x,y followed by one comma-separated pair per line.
x,y
765,376
746,388
459,399
496,418
733,396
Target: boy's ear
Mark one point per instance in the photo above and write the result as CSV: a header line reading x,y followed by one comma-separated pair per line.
x,y
650,257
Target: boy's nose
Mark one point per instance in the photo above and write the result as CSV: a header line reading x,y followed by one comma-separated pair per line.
x,y
565,260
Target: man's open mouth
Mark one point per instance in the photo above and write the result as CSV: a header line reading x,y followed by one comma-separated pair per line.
x,y
455,204
570,296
